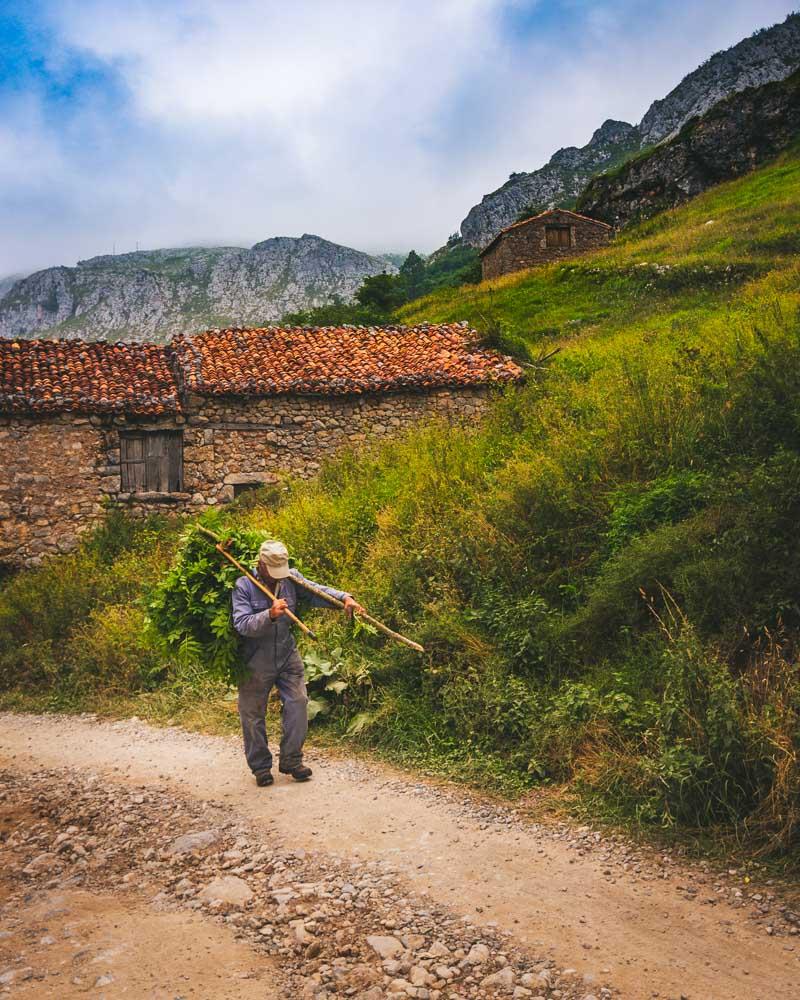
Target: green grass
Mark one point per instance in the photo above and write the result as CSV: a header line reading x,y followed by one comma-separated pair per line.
x,y
604,573
750,223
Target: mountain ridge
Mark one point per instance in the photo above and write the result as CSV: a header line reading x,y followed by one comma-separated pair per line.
x,y
768,55
153,294
731,138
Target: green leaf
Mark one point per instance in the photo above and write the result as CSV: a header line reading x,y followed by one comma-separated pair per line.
x,y
359,723
316,706
359,626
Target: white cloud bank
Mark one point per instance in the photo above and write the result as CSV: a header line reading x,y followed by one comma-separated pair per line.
x,y
375,124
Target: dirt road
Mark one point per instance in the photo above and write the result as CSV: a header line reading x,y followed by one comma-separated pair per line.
x,y
640,926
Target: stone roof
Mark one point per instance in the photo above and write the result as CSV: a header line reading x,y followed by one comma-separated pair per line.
x,y
538,218
52,376
337,360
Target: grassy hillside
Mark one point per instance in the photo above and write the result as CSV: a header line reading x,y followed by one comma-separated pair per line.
x,y
680,259
605,574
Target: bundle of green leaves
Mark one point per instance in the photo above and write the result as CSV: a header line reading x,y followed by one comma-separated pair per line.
x,y
191,609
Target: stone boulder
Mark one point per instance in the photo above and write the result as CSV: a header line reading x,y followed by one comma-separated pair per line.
x,y
193,842
227,889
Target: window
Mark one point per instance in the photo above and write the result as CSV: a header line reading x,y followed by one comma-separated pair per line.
x,y
151,461
239,488
557,236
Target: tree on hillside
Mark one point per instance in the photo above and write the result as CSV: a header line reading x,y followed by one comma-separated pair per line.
x,y
412,275
382,293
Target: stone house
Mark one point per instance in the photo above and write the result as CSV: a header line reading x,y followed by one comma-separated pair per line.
x,y
553,235
192,424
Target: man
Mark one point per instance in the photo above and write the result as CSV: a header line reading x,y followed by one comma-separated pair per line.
x,y
272,658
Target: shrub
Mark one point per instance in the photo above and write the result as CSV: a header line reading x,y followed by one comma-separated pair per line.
x,y
670,498
191,605
699,765
42,608
709,746
117,651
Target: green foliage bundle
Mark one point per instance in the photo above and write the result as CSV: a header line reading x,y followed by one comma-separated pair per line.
x,y
191,607
328,680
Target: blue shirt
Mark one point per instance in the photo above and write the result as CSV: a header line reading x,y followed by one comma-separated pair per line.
x,y
268,644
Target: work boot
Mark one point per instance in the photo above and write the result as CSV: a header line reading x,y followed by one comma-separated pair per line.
x,y
299,773
264,778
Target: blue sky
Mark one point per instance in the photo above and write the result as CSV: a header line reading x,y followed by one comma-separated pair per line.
x,y
374,123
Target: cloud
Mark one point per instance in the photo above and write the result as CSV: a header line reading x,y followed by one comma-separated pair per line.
x,y
373,124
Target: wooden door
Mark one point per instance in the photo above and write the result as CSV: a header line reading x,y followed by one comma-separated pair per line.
x,y
151,461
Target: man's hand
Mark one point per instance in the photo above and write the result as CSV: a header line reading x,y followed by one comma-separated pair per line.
x,y
278,608
351,605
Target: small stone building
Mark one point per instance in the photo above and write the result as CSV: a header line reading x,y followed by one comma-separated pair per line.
x,y
188,425
550,236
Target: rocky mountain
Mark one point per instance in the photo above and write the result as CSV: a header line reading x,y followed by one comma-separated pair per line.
x,y
769,55
559,182
736,135
151,295
7,282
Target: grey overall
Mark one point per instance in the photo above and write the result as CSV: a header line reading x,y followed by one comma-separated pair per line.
x,y
272,658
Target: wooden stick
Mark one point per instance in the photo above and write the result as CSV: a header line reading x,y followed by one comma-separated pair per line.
x,y
320,593
262,587
361,614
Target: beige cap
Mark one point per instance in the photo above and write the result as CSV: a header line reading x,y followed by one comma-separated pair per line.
x,y
276,557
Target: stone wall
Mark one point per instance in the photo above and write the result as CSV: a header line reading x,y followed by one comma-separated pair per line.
x,y
58,473
55,474
526,245
230,441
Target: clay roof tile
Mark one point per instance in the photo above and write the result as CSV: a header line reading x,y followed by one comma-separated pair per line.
x,y
53,376
337,360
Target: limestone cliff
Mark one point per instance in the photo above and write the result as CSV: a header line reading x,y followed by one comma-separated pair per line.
x,y
736,135
557,183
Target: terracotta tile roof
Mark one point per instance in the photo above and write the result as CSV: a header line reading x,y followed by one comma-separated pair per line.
x,y
541,215
337,360
51,376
